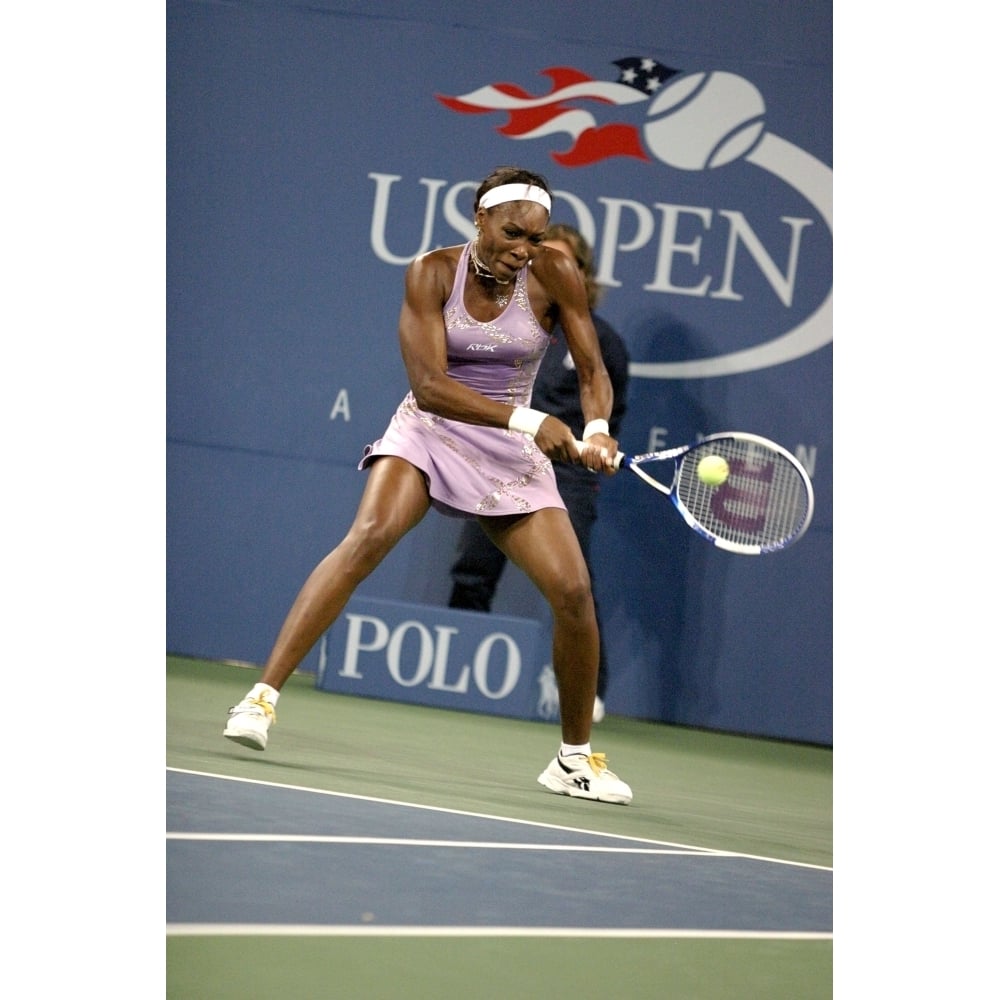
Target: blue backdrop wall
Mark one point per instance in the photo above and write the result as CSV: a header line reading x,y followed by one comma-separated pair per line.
x,y
314,150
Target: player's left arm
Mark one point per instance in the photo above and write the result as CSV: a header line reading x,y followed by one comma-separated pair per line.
x,y
564,283
616,360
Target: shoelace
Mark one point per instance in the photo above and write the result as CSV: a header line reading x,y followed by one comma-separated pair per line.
x,y
598,762
262,703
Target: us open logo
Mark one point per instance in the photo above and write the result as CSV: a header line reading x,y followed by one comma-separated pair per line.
x,y
686,120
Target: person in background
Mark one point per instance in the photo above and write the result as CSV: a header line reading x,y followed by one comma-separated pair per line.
x,y
478,564
473,328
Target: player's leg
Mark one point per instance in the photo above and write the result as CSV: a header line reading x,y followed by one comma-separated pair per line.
x,y
544,545
580,498
395,499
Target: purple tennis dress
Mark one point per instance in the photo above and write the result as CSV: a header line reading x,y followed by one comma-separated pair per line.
x,y
470,469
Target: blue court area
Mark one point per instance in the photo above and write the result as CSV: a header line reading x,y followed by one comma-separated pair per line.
x,y
246,856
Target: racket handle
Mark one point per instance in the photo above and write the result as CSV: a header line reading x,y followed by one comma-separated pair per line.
x,y
619,458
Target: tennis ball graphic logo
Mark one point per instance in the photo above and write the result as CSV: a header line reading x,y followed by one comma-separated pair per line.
x,y
704,120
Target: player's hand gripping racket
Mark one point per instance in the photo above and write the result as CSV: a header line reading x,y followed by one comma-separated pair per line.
x,y
759,500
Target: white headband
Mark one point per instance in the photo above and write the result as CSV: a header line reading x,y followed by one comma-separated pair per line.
x,y
516,192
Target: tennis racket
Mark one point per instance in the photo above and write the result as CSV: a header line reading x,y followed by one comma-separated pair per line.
x,y
763,505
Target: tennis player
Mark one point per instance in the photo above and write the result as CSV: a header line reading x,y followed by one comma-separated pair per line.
x,y
473,328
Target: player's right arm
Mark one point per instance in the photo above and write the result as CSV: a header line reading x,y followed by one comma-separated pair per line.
x,y
423,343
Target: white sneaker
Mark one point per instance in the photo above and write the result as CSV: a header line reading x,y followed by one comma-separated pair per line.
x,y
598,710
585,777
249,722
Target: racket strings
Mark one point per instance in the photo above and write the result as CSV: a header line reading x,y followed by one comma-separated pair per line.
x,y
763,504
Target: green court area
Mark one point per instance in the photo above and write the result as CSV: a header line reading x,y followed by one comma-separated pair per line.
x,y
709,791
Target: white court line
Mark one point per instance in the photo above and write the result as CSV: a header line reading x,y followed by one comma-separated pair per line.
x,y
294,838
499,819
367,930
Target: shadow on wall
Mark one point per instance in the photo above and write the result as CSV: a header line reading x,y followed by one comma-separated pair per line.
x,y
664,623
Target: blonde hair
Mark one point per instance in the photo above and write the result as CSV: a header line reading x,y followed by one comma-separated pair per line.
x,y
584,257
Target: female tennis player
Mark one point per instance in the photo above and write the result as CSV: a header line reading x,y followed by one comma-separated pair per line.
x,y
474,324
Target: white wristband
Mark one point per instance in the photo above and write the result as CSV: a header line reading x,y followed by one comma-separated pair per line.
x,y
595,427
525,420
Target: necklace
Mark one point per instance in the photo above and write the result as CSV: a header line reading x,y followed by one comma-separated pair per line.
x,y
482,271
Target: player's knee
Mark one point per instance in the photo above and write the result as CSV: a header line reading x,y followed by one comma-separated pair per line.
x,y
574,598
370,541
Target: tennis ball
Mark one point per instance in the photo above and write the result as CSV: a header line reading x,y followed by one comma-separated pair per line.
x,y
713,470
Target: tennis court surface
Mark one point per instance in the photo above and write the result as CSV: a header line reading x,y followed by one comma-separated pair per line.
x,y
386,850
